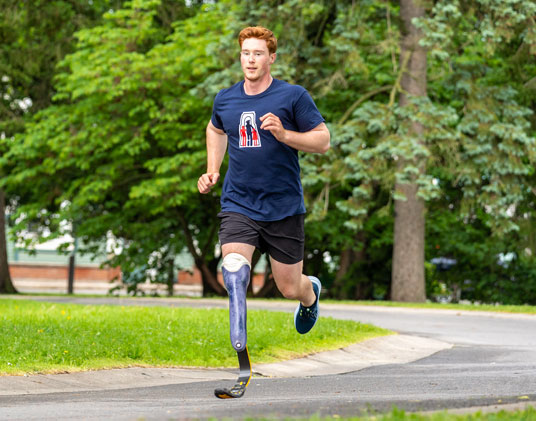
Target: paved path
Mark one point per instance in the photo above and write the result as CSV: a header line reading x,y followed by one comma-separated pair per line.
x,y
479,359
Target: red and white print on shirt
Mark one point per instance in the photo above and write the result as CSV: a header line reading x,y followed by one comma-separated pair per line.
x,y
249,133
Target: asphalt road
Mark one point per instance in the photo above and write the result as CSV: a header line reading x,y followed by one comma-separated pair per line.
x,y
492,363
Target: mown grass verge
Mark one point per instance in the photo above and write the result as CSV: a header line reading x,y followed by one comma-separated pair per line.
x,y
499,308
39,337
528,414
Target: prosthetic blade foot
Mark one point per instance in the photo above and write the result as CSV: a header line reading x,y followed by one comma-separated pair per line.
x,y
237,391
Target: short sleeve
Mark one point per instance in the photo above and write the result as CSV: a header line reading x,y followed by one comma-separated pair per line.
x,y
216,119
306,114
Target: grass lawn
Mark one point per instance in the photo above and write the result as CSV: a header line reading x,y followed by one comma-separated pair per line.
x,y
524,309
521,309
47,338
528,414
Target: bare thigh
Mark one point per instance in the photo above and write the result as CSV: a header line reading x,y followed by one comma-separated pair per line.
x,y
292,283
285,273
245,250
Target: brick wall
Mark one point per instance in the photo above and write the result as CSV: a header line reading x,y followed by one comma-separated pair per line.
x,y
92,273
37,271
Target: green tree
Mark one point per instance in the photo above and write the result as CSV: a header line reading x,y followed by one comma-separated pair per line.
x,y
120,150
34,37
470,124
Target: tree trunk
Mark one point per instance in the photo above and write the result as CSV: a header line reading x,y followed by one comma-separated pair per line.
x,y
269,287
209,273
6,286
209,270
363,286
341,289
171,278
407,281
254,260
348,284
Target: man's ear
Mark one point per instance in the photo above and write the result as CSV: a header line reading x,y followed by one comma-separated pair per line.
x,y
272,58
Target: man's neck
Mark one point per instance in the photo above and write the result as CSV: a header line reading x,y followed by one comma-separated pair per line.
x,y
255,87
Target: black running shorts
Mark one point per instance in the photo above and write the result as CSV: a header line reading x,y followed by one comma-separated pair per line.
x,y
283,240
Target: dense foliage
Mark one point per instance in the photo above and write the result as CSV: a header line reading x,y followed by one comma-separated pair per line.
x,y
34,37
119,150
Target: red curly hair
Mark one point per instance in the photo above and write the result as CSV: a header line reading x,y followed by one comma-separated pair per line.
x,y
260,33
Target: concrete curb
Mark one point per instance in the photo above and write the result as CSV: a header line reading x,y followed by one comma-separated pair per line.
x,y
392,349
115,379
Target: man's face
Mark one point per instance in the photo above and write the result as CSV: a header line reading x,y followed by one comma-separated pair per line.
x,y
255,59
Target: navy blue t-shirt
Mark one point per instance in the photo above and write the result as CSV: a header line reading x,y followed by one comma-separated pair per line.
x,y
263,178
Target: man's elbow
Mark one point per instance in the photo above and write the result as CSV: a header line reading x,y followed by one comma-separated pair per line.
x,y
324,147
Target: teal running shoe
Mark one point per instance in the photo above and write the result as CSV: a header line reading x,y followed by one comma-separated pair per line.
x,y
306,317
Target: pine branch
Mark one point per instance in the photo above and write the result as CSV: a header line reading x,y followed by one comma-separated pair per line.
x,y
362,99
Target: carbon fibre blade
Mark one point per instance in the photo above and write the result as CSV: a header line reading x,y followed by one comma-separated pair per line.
x,y
244,377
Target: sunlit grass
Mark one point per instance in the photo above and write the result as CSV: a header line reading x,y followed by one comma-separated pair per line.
x,y
47,337
524,309
528,414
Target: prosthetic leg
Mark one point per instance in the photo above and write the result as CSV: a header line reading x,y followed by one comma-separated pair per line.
x,y
236,270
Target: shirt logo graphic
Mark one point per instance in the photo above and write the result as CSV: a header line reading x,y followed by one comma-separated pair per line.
x,y
249,134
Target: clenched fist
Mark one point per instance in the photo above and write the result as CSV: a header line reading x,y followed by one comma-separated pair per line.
x,y
207,181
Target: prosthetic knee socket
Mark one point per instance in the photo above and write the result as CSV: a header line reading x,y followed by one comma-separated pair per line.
x,y
236,270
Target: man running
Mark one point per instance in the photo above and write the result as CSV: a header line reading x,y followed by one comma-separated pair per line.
x,y
262,199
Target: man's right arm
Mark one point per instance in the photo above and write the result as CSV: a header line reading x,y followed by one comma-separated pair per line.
x,y
216,147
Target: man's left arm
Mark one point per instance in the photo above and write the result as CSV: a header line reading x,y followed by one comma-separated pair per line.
x,y
315,140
